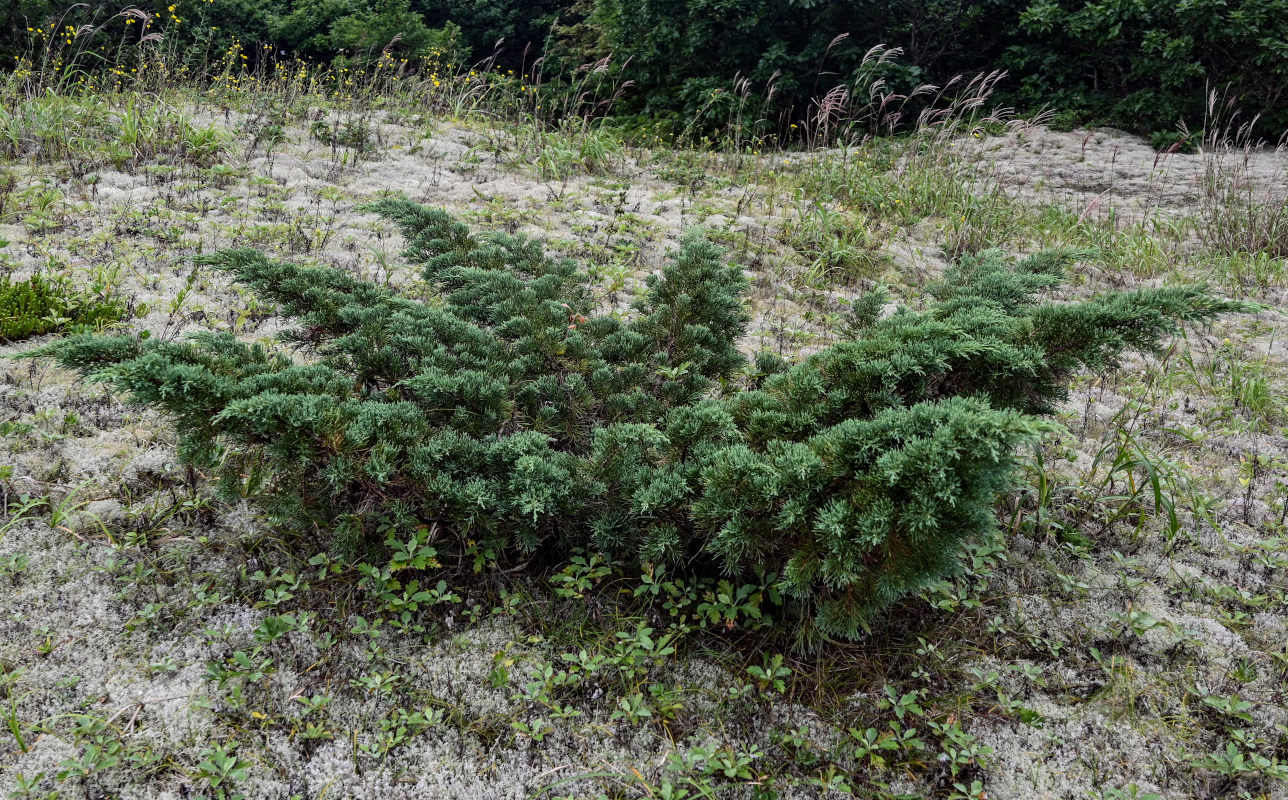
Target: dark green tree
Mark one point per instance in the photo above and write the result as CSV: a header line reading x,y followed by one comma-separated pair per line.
x,y
362,31
515,30
1151,63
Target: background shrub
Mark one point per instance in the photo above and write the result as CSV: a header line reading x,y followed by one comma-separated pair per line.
x,y
322,28
1151,64
508,414
1146,65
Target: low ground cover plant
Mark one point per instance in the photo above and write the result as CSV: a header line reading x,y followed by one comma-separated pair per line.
x,y
508,416
39,305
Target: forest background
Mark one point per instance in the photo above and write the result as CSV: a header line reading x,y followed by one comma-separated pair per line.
x,y
1147,66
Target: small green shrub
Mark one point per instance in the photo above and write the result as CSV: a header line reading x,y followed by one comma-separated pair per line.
x,y
505,415
838,245
39,305
354,133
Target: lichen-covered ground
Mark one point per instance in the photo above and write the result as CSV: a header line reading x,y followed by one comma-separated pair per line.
x,y
1124,636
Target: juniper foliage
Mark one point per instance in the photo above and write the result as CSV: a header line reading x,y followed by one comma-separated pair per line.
x,y
507,412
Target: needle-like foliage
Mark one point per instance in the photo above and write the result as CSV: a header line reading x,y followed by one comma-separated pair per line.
x,y
507,412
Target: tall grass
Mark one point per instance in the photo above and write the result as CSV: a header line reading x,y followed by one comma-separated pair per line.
x,y
1243,212
122,130
867,162
895,159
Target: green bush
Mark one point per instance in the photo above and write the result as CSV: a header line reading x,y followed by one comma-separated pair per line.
x,y
516,30
322,28
37,305
506,414
1144,65
1150,64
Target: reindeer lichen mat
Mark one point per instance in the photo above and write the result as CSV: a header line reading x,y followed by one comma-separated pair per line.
x,y
505,413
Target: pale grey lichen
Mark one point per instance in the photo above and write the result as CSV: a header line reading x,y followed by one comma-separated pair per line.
x,y
97,624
